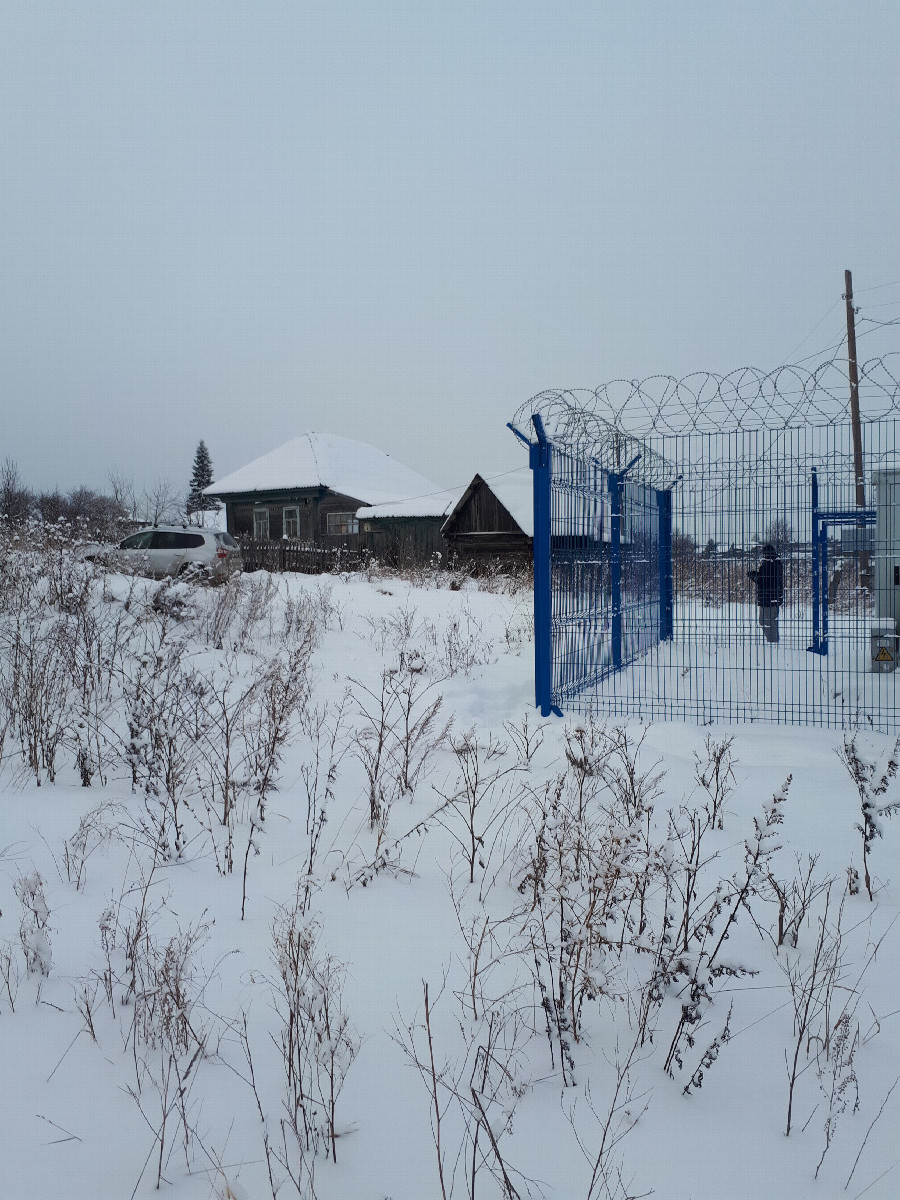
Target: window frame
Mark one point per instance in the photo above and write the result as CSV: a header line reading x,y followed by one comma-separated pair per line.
x,y
146,536
293,509
258,514
346,519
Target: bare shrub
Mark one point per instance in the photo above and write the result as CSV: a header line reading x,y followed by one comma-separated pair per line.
x,y
403,633
96,828
34,687
863,773
160,751
586,881
715,774
327,729
168,1036
220,612
480,804
399,732
611,1123
813,983
837,1078
220,773
232,615
706,925
517,617
795,898
328,613
710,1055
634,786
526,738
473,1094
318,1044
278,695
462,644
97,651
10,975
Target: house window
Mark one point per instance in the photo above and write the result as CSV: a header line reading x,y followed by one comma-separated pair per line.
x,y
291,523
261,523
339,523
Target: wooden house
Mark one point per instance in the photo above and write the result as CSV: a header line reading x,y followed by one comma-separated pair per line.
x,y
309,490
493,519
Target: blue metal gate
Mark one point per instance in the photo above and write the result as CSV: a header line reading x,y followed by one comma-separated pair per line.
x,y
603,591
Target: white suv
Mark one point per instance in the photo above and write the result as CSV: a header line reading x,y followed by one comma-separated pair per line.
x,y
173,550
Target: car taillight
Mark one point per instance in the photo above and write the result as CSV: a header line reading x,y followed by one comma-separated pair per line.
x,y
221,553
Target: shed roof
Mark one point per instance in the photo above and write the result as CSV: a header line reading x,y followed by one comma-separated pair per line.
x,y
326,460
435,504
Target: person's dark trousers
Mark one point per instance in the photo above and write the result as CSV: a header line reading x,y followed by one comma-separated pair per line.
x,y
768,619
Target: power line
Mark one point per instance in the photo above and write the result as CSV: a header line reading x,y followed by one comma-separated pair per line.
x,y
878,286
814,328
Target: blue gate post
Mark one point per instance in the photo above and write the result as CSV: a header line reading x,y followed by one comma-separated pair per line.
x,y
818,645
615,567
666,589
823,581
539,461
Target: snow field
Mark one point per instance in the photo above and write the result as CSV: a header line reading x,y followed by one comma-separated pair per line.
x,y
392,905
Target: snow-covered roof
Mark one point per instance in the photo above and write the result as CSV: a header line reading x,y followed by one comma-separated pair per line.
x,y
515,492
328,460
436,504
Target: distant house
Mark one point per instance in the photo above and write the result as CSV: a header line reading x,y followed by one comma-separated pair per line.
x,y
309,489
407,531
492,519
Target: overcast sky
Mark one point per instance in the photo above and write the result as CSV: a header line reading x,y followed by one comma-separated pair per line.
x,y
398,219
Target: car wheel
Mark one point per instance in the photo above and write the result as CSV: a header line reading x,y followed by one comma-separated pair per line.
x,y
195,572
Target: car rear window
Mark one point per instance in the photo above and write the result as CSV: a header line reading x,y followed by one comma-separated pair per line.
x,y
168,539
225,539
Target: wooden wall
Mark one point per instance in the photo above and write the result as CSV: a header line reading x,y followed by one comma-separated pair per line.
x,y
314,505
483,530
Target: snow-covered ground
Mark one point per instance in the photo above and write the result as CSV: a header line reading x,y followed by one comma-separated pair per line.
x,y
522,957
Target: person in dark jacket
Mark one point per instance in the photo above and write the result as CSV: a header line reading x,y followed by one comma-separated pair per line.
x,y
769,580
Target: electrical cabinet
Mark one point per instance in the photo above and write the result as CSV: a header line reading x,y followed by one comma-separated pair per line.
x,y
885,561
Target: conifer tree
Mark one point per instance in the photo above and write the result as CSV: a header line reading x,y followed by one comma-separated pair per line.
x,y
201,477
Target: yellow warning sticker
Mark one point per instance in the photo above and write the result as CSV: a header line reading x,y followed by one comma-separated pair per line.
x,y
884,655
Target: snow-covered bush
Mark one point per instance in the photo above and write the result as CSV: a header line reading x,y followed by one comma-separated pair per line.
x,y
34,931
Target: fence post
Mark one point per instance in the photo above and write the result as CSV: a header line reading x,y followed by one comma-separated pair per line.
x,y
539,461
615,567
823,582
817,646
666,590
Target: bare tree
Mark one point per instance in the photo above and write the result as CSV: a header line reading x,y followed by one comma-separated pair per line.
x,y
779,534
16,500
160,502
123,493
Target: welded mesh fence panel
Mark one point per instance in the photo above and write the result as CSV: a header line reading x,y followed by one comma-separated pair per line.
x,y
580,578
604,553
737,493
640,569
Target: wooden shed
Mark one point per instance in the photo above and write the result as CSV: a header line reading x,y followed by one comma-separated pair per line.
x,y
493,520
407,532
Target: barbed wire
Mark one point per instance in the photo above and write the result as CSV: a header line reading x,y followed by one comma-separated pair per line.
x,y
703,402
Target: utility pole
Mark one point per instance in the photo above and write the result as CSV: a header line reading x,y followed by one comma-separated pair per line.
x,y
854,419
